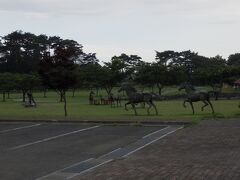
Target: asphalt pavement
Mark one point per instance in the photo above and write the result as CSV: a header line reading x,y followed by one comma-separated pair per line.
x,y
63,150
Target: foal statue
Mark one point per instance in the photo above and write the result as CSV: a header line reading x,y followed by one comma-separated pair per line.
x,y
134,98
193,96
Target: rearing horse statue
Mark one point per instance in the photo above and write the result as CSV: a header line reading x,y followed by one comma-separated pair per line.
x,y
134,98
193,96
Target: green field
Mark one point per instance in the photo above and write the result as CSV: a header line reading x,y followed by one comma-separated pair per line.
x,y
78,109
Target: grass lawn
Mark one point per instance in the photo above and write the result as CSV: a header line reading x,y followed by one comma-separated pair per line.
x,y
78,109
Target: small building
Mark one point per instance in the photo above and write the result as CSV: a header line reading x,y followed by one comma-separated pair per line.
x,y
236,84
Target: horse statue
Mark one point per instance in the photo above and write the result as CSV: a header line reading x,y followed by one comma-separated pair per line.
x,y
193,96
217,88
115,100
93,100
134,98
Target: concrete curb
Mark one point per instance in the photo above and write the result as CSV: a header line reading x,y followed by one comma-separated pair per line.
x,y
120,122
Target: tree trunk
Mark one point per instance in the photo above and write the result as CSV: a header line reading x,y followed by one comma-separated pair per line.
x,y
44,93
24,96
61,96
160,87
4,99
97,90
65,102
108,89
8,94
73,92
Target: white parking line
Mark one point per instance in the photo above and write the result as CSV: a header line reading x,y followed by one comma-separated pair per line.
x,y
48,175
155,132
109,153
23,127
151,142
89,169
51,138
93,163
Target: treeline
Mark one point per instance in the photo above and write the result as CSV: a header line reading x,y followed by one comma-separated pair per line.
x,y
29,61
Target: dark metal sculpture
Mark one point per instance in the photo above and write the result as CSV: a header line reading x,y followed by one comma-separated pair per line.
x,y
134,98
115,101
193,96
31,102
107,100
91,97
94,100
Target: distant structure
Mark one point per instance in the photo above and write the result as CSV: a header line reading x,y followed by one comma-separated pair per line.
x,y
236,84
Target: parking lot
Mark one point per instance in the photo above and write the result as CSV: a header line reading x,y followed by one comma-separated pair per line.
x,y
67,150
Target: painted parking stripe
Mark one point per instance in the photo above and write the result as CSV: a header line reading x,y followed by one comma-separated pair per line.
x,y
52,138
91,168
141,147
23,127
73,171
155,132
58,171
105,155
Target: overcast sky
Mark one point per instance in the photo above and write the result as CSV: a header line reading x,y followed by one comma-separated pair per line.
x,y
112,27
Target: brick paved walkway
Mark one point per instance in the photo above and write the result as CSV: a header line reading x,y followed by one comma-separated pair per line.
x,y
208,151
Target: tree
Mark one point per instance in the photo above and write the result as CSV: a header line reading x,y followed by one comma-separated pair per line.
x,y
59,71
211,73
234,60
13,54
86,59
26,82
176,75
159,73
143,76
127,64
151,74
22,52
112,73
165,57
90,76
7,83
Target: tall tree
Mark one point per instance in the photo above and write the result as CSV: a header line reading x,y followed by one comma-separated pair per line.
x,y
22,52
13,51
129,64
165,57
26,82
160,75
234,60
112,74
87,58
7,83
59,71
212,72
143,76
90,75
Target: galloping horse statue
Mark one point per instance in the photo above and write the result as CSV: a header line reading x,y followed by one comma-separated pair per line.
x,y
193,96
134,98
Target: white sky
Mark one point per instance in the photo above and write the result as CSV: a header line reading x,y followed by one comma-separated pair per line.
x,y
112,27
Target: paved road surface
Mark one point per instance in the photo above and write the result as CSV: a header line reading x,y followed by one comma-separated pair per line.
x,y
208,151
51,150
